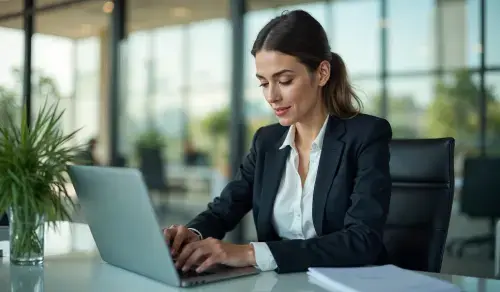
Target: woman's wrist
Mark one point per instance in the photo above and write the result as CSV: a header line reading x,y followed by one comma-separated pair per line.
x,y
250,254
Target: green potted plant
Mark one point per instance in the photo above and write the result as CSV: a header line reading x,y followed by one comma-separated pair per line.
x,y
33,180
151,139
150,147
217,125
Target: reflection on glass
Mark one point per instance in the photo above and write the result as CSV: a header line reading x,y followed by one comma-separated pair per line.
x,y
26,278
493,114
356,34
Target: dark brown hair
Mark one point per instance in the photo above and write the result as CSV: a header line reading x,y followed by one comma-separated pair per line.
x,y
298,34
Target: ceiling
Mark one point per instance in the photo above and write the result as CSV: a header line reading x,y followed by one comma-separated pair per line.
x,y
88,18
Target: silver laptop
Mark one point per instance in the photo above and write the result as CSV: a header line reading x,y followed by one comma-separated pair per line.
x,y
118,210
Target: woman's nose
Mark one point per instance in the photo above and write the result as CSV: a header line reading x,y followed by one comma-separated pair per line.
x,y
273,94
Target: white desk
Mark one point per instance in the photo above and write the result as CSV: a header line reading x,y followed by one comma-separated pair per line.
x,y
72,264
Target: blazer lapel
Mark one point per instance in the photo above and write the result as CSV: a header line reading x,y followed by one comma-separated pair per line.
x,y
274,165
328,165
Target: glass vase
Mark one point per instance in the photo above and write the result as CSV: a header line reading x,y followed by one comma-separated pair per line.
x,y
26,235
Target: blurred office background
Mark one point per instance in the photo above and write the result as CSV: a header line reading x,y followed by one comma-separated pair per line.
x,y
179,75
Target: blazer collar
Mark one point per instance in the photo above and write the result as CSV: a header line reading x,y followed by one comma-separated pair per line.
x,y
274,165
290,136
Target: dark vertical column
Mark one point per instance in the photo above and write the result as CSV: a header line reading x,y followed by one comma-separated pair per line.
x,y
439,38
237,122
482,85
29,16
384,110
76,77
117,35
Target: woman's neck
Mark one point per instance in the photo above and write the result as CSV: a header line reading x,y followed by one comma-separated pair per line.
x,y
308,130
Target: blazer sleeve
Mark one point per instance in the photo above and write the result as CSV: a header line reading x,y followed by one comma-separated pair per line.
x,y
235,201
360,242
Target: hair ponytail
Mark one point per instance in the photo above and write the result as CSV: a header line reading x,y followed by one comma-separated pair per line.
x,y
339,95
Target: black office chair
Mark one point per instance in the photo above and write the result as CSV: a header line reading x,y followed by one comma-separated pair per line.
x,y
479,198
4,220
423,177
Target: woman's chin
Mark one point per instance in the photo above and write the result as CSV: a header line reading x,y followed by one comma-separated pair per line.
x,y
285,122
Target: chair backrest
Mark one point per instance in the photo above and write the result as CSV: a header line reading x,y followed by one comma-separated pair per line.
x,y
480,193
423,180
152,166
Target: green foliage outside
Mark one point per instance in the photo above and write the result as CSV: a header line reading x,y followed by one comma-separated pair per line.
x,y
454,111
151,138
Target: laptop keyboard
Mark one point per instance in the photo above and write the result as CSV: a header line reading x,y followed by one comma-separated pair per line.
x,y
193,273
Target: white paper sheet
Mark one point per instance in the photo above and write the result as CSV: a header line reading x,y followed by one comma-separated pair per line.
x,y
386,278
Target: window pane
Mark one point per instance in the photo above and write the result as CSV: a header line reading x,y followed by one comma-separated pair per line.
x,y
138,76
355,35
458,43
316,9
67,69
421,107
11,66
493,114
53,76
368,90
207,105
492,27
87,107
170,89
209,53
257,110
410,34
254,22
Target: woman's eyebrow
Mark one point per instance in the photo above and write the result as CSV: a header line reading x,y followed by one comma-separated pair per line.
x,y
275,74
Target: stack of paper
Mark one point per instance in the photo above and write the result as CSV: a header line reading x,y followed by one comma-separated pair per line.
x,y
386,278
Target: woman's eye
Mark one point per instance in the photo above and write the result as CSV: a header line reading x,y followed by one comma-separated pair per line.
x,y
263,84
287,82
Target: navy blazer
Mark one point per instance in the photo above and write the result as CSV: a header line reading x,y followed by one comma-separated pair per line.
x,y
350,200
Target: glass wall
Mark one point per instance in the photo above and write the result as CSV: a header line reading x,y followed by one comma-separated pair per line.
x,y
11,65
66,68
419,63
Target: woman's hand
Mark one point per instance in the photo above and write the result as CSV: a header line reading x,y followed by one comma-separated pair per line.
x,y
177,236
210,251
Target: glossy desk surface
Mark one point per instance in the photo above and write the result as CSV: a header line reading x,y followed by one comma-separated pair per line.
x,y
73,264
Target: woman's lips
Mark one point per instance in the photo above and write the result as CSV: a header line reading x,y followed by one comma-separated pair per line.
x,y
281,111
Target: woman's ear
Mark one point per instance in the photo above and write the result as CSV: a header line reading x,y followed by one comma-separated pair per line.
x,y
323,74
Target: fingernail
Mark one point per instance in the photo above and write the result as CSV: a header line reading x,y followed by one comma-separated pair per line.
x,y
184,268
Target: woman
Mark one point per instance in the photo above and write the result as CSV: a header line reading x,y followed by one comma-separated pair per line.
x,y
318,182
